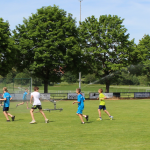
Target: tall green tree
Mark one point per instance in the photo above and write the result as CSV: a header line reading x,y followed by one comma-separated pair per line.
x,y
143,49
7,49
48,44
107,47
69,77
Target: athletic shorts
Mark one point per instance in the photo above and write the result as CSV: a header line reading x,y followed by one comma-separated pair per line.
x,y
5,108
79,111
36,106
102,107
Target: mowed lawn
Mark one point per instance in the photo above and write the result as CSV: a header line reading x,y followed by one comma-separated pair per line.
x,y
130,129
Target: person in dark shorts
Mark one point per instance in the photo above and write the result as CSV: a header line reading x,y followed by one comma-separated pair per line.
x,y
102,98
35,96
6,98
24,98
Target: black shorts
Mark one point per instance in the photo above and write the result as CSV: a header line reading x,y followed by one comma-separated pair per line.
x,y
102,107
5,108
36,106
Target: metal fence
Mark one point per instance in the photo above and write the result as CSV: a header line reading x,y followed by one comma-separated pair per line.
x,y
16,85
73,96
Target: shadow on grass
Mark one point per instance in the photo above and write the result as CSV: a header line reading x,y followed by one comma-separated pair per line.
x,y
109,119
89,122
18,119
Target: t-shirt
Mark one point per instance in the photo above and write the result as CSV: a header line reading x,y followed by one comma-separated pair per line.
x,y
7,101
36,98
80,99
101,96
25,95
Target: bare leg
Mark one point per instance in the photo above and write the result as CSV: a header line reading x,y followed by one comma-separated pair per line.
x,y
41,111
9,115
5,114
80,116
107,112
99,112
84,115
31,112
20,103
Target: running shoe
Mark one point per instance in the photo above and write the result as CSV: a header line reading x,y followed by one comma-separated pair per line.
x,y
111,117
8,120
87,117
99,119
13,118
46,121
32,122
82,123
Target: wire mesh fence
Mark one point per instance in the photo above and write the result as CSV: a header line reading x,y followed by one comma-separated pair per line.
x,y
16,85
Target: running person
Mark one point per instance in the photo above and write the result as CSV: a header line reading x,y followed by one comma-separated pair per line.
x,y
80,101
35,96
6,98
102,98
24,98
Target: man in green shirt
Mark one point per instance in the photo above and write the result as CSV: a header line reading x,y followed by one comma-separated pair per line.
x,y
102,98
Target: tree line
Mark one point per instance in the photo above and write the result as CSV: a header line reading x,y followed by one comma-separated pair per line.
x,y
49,45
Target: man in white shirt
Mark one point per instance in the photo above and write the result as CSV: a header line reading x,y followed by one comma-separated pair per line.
x,y
35,96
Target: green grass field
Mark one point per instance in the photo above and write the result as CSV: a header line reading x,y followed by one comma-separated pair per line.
x,y
128,131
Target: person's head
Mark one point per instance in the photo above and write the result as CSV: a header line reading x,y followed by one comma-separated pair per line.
x,y
36,88
26,90
78,90
100,90
5,89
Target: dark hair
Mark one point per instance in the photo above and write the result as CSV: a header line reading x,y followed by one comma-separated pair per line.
x,y
36,88
79,90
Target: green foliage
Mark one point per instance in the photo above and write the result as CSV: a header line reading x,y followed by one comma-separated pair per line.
x,y
143,69
48,43
7,49
21,78
89,78
106,46
69,77
11,75
36,81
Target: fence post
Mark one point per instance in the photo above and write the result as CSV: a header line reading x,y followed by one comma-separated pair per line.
x,y
31,85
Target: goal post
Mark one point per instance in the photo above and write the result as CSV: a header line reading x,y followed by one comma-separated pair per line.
x,y
20,84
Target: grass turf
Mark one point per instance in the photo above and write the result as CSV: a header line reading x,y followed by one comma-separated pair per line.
x,y
128,131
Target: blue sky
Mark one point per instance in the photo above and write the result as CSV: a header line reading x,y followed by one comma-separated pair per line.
x,y
135,12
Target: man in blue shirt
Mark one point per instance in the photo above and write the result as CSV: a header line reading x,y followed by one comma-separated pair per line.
x,y
6,98
80,101
24,98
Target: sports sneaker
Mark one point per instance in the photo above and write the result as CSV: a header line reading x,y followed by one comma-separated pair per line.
x,y
16,105
8,120
82,123
111,118
99,119
46,121
87,118
32,122
13,118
